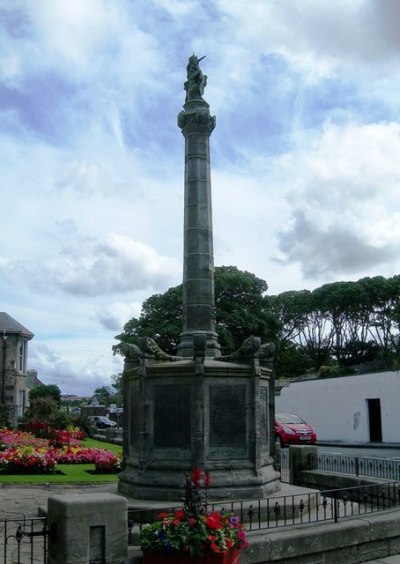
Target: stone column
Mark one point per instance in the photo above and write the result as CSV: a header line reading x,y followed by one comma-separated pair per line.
x,y
197,125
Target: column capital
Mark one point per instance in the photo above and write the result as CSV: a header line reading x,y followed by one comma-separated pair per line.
x,y
196,119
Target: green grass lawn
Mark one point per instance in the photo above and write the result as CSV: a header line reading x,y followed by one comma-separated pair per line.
x,y
68,473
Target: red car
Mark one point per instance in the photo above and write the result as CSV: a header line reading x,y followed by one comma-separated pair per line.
x,y
293,430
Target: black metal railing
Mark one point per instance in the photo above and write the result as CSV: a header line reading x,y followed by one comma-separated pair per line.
x,y
372,467
386,468
300,509
24,540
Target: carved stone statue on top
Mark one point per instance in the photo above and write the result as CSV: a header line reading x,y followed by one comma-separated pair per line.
x,y
196,80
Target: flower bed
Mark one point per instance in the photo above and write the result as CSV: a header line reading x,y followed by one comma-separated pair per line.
x,y
11,438
69,437
107,462
27,460
56,437
26,454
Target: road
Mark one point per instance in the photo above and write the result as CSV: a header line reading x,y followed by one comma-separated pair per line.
x,y
375,452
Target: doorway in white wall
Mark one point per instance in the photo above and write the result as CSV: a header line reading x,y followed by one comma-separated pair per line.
x,y
375,420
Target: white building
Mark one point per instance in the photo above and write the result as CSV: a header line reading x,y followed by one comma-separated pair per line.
x,y
363,408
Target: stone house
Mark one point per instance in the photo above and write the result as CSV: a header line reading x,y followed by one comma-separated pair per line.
x,y
14,339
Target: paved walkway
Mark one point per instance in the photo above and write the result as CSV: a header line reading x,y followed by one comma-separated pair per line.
x,y
16,501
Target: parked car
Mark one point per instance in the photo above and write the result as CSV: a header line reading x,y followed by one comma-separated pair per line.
x,y
292,429
102,422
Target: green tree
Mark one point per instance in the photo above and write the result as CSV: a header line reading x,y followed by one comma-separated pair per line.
x,y
46,391
241,310
117,385
103,395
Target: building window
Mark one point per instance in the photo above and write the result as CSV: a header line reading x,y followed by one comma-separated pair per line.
x,y
22,355
21,403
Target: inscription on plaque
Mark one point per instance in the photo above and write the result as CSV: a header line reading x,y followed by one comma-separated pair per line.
x,y
228,417
171,416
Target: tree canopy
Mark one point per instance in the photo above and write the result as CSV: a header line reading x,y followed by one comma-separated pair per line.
x,y
241,310
340,324
45,391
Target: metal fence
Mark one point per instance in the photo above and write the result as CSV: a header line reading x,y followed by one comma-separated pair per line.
x,y
281,511
23,541
386,468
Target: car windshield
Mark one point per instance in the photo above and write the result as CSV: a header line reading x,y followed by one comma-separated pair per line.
x,y
288,418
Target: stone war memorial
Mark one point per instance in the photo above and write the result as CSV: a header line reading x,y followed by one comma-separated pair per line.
x,y
199,408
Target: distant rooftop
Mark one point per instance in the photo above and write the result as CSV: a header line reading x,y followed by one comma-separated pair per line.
x,y
10,325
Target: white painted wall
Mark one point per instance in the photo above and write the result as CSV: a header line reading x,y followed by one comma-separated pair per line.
x,y
338,408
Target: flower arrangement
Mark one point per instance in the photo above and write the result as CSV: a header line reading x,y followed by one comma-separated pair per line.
x,y
193,530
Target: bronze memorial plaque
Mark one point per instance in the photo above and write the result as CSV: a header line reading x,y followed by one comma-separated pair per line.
x,y
172,416
228,418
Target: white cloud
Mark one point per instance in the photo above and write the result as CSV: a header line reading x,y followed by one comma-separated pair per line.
x,y
90,267
68,371
305,155
114,316
345,182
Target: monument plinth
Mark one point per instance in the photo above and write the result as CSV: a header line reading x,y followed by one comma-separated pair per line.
x,y
198,408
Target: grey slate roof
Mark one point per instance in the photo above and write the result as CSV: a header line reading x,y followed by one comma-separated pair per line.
x,y
10,325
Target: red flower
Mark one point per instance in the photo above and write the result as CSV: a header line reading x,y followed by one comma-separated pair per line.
x,y
179,514
162,515
213,521
207,479
196,476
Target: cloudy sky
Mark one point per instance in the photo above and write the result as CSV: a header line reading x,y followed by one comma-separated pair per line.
x,y
305,156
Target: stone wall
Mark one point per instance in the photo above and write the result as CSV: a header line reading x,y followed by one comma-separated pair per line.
x,y
350,541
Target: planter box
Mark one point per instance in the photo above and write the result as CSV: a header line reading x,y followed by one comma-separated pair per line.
x,y
229,557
